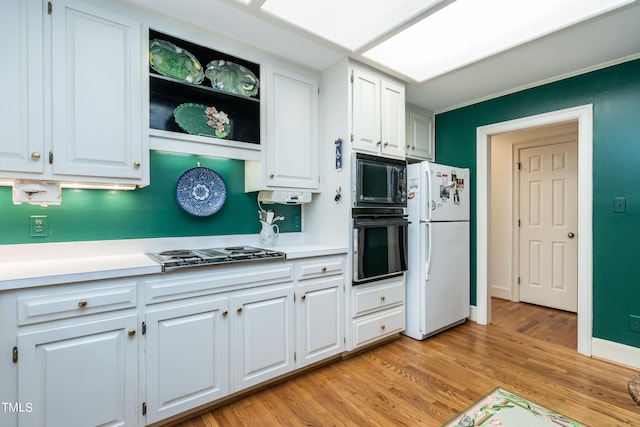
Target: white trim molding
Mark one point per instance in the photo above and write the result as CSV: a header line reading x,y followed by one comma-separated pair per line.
x,y
616,352
584,116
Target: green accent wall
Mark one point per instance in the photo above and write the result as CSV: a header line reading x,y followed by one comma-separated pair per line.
x,y
146,212
615,95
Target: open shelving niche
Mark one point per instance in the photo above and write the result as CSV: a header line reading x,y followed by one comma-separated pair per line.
x,y
166,93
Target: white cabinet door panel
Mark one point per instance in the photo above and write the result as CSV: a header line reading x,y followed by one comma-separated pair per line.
x,y
263,335
187,357
96,92
79,376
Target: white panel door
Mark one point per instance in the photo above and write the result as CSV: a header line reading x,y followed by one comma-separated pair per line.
x,y
187,357
79,376
96,84
263,335
548,223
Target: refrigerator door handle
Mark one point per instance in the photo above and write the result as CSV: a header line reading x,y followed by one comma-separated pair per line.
x,y
429,250
426,195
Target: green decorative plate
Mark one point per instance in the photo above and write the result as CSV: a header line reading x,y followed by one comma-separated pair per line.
x,y
175,62
198,119
233,78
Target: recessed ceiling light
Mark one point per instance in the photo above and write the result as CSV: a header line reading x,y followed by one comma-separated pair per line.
x,y
351,24
470,30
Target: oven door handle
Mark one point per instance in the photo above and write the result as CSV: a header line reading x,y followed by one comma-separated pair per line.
x,y
379,221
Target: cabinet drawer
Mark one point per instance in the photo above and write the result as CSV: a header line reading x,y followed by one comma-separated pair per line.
x,y
377,297
319,268
63,305
378,325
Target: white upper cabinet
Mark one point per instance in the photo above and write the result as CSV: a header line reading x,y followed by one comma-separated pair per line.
x,y
21,85
290,160
420,134
378,114
78,119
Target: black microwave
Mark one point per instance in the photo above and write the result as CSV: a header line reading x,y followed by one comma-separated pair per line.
x,y
378,182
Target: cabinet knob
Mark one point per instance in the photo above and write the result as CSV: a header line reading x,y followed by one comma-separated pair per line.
x,y
82,304
324,269
132,332
136,164
382,327
225,313
35,155
386,144
239,310
382,298
303,297
379,142
271,175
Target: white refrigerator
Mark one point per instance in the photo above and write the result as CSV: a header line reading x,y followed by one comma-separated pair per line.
x,y
438,277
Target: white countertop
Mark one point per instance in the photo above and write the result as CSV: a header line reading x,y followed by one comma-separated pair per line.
x,y
43,264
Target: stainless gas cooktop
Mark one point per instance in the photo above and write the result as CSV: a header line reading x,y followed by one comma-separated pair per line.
x,y
184,258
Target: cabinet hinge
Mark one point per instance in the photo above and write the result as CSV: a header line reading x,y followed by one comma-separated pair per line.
x,y
295,356
294,297
144,408
49,8
518,223
519,165
144,328
15,355
351,137
351,76
50,157
518,280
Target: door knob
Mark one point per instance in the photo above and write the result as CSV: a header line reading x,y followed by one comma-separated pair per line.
x,y
571,235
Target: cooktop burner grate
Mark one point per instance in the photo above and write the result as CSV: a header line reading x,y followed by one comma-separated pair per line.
x,y
184,258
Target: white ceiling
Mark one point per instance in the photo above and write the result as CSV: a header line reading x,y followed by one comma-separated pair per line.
x,y
610,38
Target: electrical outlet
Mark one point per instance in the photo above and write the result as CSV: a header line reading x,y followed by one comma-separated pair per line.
x,y
634,323
38,226
619,204
296,221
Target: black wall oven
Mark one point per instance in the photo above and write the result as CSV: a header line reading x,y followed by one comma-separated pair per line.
x,y
379,245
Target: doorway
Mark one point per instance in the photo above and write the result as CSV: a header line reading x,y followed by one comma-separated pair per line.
x,y
584,117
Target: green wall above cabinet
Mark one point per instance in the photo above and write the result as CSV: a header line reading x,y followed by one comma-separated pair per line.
x,y
148,212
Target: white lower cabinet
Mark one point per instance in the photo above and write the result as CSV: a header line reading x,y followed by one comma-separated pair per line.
x,y
378,311
262,340
137,351
187,355
80,375
319,309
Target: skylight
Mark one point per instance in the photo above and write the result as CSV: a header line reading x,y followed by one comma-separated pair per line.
x,y
351,24
470,30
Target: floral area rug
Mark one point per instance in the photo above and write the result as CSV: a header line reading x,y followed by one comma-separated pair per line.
x,y
503,408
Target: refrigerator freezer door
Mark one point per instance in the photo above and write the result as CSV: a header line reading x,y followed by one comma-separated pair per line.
x,y
448,193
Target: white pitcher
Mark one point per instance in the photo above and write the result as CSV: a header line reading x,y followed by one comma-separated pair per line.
x,y
268,234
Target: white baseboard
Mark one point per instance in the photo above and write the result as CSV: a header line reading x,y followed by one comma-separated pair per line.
x,y
615,352
503,293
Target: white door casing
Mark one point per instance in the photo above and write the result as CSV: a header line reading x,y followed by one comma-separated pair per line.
x,y
548,223
584,115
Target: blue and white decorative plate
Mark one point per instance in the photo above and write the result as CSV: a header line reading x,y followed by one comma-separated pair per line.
x,y
201,191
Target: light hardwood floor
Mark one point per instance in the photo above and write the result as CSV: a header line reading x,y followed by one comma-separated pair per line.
x,y
425,383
